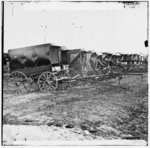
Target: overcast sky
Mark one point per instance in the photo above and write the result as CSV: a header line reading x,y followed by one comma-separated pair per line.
x,y
99,26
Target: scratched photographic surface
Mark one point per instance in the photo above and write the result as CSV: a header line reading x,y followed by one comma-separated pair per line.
x,y
75,71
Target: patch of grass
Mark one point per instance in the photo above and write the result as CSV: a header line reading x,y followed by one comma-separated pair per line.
x,y
9,119
137,123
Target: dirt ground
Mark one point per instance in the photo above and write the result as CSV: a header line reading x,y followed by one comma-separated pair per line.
x,y
99,110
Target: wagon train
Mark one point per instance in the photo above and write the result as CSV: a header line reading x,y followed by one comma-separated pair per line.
x,y
134,63
48,67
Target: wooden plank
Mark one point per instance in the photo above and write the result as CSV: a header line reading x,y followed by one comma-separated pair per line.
x,y
34,70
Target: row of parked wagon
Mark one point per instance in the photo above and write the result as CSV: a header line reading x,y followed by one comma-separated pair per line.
x,y
47,67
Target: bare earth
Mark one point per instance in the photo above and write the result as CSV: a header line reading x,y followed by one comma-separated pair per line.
x,y
90,111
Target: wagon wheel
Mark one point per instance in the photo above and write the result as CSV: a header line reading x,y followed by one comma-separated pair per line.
x,y
17,82
47,82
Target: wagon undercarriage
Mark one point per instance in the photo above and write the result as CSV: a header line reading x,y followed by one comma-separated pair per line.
x,y
19,82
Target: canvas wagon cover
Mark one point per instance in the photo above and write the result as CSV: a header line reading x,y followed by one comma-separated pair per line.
x,y
34,56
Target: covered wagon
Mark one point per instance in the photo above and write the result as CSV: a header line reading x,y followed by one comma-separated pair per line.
x,y
34,63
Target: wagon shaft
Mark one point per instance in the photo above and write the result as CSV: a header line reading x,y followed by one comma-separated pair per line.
x,y
63,78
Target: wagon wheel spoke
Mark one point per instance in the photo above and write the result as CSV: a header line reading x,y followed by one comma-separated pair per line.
x,y
43,79
53,85
50,88
46,76
41,84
